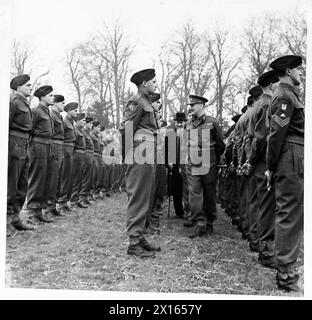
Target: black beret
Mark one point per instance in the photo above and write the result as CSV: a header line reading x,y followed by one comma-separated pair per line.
x,y
197,99
256,91
143,75
58,98
155,97
249,101
180,116
43,91
19,81
89,119
71,106
267,78
236,117
289,61
80,116
96,123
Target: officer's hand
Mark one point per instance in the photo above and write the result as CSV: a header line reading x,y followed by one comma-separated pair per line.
x,y
269,175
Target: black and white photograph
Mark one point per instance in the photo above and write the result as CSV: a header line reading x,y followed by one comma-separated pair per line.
x,y
155,148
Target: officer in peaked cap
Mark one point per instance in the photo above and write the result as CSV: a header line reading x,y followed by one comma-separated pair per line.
x,y
20,126
70,113
202,176
40,155
284,160
139,115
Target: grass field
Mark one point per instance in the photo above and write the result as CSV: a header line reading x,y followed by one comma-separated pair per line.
x,y
86,250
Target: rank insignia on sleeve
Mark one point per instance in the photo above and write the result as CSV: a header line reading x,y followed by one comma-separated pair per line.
x,y
281,122
284,107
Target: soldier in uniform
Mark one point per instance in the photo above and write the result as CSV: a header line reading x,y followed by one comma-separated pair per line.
x,y
250,190
255,165
79,162
85,192
96,163
68,162
20,126
202,176
57,154
139,115
40,155
101,162
284,160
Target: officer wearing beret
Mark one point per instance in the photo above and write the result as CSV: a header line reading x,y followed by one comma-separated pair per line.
x,y
85,192
58,153
139,115
40,155
257,131
20,126
70,112
284,161
202,176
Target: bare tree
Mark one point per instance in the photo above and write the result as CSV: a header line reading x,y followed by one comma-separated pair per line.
x,y
224,67
293,33
21,60
77,76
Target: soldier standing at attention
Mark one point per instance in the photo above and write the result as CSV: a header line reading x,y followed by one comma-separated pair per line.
x,y
85,192
68,162
96,163
40,155
58,153
20,126
79,163
284,161
256,166
139,115
202,177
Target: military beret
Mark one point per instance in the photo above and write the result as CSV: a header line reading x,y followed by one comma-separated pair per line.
x,y
71,106
196,99
236,117
267,78
80,116
143,75
256,91
155,97
19,81
249,101
96,123
89,119
180,116
289,61
58,98
43,91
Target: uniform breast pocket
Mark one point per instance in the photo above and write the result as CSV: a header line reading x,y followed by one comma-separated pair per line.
x,y
23,115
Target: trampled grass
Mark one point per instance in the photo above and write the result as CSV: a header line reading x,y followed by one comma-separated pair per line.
x,y
86,250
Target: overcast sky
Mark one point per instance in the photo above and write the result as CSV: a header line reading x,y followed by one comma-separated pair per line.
x,y
52,27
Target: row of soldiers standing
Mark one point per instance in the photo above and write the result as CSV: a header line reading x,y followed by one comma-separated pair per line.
x,y
262,190
55,162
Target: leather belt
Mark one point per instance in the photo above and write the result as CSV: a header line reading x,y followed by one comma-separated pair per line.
x,y
42,140
19,134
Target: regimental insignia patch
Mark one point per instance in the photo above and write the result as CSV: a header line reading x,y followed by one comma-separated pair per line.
x,y
284,107
281,122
